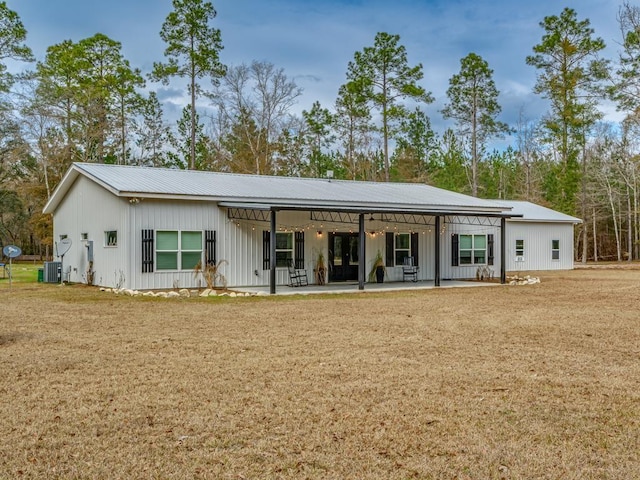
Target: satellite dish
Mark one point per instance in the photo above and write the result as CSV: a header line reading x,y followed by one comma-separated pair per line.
x,y
63,246
11,251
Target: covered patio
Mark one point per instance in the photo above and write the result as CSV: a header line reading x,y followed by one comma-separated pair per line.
x,y
353,287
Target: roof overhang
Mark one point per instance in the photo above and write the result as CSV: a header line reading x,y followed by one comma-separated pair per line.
x,y
370,208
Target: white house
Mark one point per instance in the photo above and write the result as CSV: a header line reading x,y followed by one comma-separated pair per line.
x,y
538,238
147,228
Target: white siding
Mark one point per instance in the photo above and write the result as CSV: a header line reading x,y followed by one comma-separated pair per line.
x,y
538,238
89,208
172,215
448,271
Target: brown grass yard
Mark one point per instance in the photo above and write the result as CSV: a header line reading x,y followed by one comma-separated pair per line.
x,y
539,381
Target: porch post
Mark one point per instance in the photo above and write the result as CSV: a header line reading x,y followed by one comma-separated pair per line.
x,y
436,263
272,254
362,251
503,247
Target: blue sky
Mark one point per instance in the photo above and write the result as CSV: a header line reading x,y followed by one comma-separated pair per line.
x,y
314,40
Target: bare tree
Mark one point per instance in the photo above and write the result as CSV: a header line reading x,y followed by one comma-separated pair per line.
x,y
257,99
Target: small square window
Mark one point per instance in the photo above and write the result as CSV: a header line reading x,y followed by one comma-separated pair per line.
x,y
84,236
62,237
111,238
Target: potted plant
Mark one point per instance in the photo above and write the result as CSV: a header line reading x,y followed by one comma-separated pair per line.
x,y
378,269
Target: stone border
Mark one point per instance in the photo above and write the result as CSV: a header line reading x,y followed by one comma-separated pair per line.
x,y
182,293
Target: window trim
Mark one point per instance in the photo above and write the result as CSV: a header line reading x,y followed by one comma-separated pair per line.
x,y
396,249
179,251
280,250
473,250
520,249
107,235
555,250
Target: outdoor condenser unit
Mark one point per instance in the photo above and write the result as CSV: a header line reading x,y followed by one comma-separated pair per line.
x,y
52,272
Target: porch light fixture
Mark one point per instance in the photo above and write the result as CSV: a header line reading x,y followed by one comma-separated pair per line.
x,y
319,233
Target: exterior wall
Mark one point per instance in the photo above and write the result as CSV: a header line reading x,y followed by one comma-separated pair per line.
x,y
537,238
173,215
89,208
450,272
248,252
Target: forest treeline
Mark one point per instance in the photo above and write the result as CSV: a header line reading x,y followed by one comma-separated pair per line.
x,y
85,102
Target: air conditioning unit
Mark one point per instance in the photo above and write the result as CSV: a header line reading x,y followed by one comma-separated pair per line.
x,y
520,258
52,272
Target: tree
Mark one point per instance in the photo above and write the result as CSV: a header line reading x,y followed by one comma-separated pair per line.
x,y
128,102
12,46
569,74
318,123
193,48
89,89
416,142
382,75
153,134
626,89
449,170
181,158
473,98
257,98
352,123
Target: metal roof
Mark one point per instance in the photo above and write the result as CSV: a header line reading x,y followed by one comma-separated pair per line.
x,y
531,212
278,192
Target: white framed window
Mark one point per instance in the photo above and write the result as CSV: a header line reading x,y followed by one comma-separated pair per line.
x,y
519,248
473,249
111,238
63,236
284,249
555,249
402,247
178,250
84,236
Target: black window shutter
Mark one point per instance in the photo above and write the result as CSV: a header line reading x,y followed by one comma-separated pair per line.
x,y
147,251
210,247
266,250
390,249
299,250
455,254
490,249
414,248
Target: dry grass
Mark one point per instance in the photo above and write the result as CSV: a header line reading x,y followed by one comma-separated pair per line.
x,y
539,381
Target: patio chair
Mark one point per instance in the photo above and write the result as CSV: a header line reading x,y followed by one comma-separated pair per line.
x,y
409,270
297,277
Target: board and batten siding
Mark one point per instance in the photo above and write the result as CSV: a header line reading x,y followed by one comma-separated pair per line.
x,y
538,238
89,208
450,272
175,216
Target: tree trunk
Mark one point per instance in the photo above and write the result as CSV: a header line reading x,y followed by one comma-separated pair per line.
x,y
629,227
583,206
595,237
